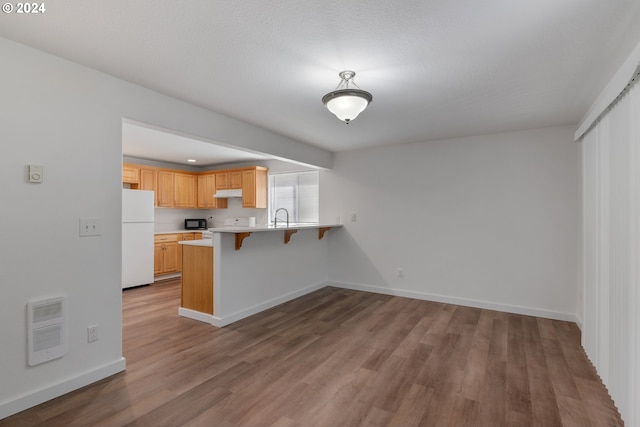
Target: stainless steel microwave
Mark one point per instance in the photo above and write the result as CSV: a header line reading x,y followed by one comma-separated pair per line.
x,y
195,224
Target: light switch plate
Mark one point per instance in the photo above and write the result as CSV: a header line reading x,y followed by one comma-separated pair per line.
x,y
89,227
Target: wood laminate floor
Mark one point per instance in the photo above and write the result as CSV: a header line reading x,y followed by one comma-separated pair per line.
x,y
338,358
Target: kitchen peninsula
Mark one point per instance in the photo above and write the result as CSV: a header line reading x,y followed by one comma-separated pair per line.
x,y
242,271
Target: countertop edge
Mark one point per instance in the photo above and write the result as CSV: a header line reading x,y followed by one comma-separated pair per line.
x,y
204,242
178,231
264,228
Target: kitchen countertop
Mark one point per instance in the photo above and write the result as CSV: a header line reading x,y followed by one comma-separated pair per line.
x,y
203,242
260,228
178,231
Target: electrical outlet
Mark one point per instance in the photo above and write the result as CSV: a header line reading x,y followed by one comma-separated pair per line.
x,y
354,217
92,333
400,272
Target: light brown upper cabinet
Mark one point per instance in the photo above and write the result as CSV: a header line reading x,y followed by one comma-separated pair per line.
x,y
206,190
165,188
130,174
185,192
235,180
148,182
176,189
228,180
181,189
254,188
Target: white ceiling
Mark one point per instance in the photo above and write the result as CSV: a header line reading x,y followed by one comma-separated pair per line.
x,y
436,68
146,142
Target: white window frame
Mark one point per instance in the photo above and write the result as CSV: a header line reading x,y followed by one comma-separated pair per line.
x,y
293,205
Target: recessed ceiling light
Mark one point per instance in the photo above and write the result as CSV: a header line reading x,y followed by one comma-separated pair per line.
x,y
191,161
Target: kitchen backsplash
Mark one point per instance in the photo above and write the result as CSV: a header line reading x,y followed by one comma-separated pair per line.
x,y
173,219
235,210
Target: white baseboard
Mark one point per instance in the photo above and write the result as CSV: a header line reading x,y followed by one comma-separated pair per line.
x,y
250,311
516,309
221,321
196,315
30,400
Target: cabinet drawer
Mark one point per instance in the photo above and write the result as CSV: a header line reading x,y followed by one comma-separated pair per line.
x,y
166,238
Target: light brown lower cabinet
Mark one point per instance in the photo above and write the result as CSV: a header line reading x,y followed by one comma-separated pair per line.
x,y
197,278
165,258
167,252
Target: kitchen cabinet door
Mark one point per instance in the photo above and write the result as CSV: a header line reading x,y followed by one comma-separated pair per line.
x,y
254,188
175,189
228,180
130,174
235,180
165,255
171,263
166,189
206,190
185,190
158,264
222,180
148,182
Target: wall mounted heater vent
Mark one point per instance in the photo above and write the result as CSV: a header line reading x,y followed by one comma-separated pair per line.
x,y
46,330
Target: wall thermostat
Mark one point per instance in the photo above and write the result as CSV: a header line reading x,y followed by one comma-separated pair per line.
x,y
35,173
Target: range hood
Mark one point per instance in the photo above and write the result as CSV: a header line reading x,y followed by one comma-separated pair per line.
x,y
225,194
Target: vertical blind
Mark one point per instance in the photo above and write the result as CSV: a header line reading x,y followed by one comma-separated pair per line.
x,y
611,239
298,193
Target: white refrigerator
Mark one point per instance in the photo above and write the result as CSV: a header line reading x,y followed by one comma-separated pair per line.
x,y
137,237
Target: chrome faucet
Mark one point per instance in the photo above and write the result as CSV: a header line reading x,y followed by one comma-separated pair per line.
x,y
275,217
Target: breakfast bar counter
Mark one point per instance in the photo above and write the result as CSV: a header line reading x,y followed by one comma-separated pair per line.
x,y
288,230
251,269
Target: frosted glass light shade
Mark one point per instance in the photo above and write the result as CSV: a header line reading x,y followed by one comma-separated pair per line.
x,y
346,102
347,106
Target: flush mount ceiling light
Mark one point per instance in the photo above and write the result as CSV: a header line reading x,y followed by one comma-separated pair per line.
x,y
348,100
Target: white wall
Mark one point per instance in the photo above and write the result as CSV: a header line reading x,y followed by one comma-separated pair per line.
x,y
69,119
278,272
489,221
